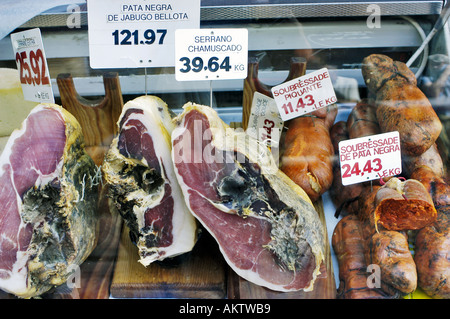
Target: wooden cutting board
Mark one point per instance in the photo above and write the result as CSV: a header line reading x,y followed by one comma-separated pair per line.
x,y
198,274
203,274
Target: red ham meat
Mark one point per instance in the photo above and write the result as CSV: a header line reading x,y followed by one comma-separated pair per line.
x,y
265,225
48,197
142,184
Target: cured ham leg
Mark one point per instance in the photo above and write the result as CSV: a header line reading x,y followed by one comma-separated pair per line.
x,y
265,225
48,200
142,184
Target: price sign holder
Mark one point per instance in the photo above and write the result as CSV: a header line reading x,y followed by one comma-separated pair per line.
x,y
371,157
305,94
32,65
137,34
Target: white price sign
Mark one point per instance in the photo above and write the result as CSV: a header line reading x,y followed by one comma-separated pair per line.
x,y
305,94
265,123
211,54
136,34
32,65
370,157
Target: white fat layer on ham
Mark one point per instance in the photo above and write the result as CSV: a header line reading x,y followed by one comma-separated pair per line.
x,y
44,179
160,126
146,201
4,158
16,279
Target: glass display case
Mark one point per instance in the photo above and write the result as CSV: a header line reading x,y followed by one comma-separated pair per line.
x,y
132,183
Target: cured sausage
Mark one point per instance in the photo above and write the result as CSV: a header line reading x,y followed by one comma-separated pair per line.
x,y
432,243
430,158
307,156
348,245
437,187
365,210
387,249
377,69
431,257
390,251
404,205
328,114
400,105
362,120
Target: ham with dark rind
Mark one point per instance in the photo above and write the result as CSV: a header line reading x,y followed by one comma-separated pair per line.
x,y
265,225
142,184
48,195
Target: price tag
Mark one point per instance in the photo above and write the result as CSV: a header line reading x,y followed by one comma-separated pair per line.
x,y
211,54
305,94
371,157
138,33
265,123
32,65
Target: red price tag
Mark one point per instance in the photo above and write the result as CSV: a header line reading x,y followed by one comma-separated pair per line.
x,y
371,165
265,122
268,126
371,157
32,66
